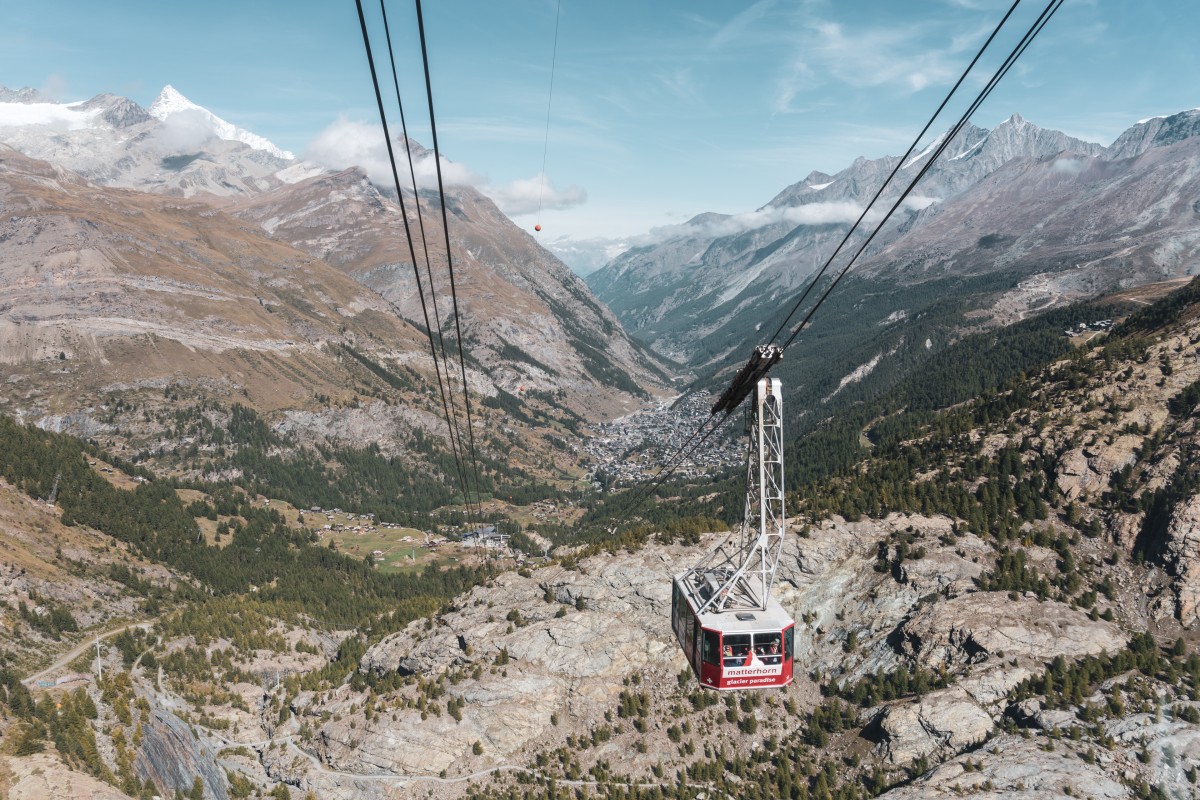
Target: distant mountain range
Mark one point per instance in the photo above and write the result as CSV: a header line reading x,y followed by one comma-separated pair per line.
x,y
255,286
1031,218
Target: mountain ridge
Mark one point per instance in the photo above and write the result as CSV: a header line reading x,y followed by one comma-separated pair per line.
x,y
777,257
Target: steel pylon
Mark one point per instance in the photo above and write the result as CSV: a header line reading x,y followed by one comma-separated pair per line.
x,y
740,572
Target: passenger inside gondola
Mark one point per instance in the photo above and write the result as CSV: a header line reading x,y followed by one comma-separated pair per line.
x,y
766,647
737,650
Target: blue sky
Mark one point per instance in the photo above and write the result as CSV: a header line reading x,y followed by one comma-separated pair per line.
x,y
661,110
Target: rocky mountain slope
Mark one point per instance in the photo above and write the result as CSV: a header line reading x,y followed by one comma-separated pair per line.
x,y
998,600
124,306
526,319
961,640
296,300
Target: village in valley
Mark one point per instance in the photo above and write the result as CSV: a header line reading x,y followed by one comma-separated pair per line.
x,y
633,448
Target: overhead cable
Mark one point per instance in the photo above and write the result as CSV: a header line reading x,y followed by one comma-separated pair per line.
x,y
458,460
456,434
549,101
437,160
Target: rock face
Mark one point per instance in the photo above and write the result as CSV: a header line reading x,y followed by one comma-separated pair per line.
x,y
1183,548
980,626
1172,744
1085,469
997,643
172,757
1013,768
949,719
537,658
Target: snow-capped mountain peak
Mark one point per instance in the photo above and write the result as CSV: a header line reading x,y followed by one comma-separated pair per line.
x,y
171,101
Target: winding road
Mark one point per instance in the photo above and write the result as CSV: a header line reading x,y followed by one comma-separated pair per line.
x,y
76,651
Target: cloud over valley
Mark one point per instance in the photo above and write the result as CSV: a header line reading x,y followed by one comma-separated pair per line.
x,y
348,143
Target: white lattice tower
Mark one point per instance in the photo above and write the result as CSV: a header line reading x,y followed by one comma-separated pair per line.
x,y
740,572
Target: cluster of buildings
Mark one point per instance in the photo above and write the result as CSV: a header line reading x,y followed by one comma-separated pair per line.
x,y
364,523
546,511
1085,327
633,448
485,536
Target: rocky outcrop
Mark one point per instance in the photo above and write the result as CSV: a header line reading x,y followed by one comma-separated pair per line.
x,y
828,583
558,642
976,627
948,718
995,643
1087,469
947,571
172,757
1171,744
945,721
1183,549
1014,768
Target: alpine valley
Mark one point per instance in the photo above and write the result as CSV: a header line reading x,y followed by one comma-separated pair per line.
x,y
238,560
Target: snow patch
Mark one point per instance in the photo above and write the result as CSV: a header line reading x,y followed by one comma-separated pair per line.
x,y
1164,116
54,115
300,171
816,187
970,149
932,146
170,101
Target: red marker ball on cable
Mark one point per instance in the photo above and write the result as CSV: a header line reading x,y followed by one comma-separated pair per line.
x,y
537,227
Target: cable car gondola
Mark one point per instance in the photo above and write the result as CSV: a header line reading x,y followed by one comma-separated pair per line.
x,y
734,634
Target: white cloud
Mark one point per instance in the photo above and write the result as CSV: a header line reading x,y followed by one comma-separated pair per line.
x,y
1069,166
843,213
54,116
528,195
902,56
183,132
917,202
346,143
806,214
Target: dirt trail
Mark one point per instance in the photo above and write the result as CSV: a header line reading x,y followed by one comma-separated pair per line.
x,y
76,651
